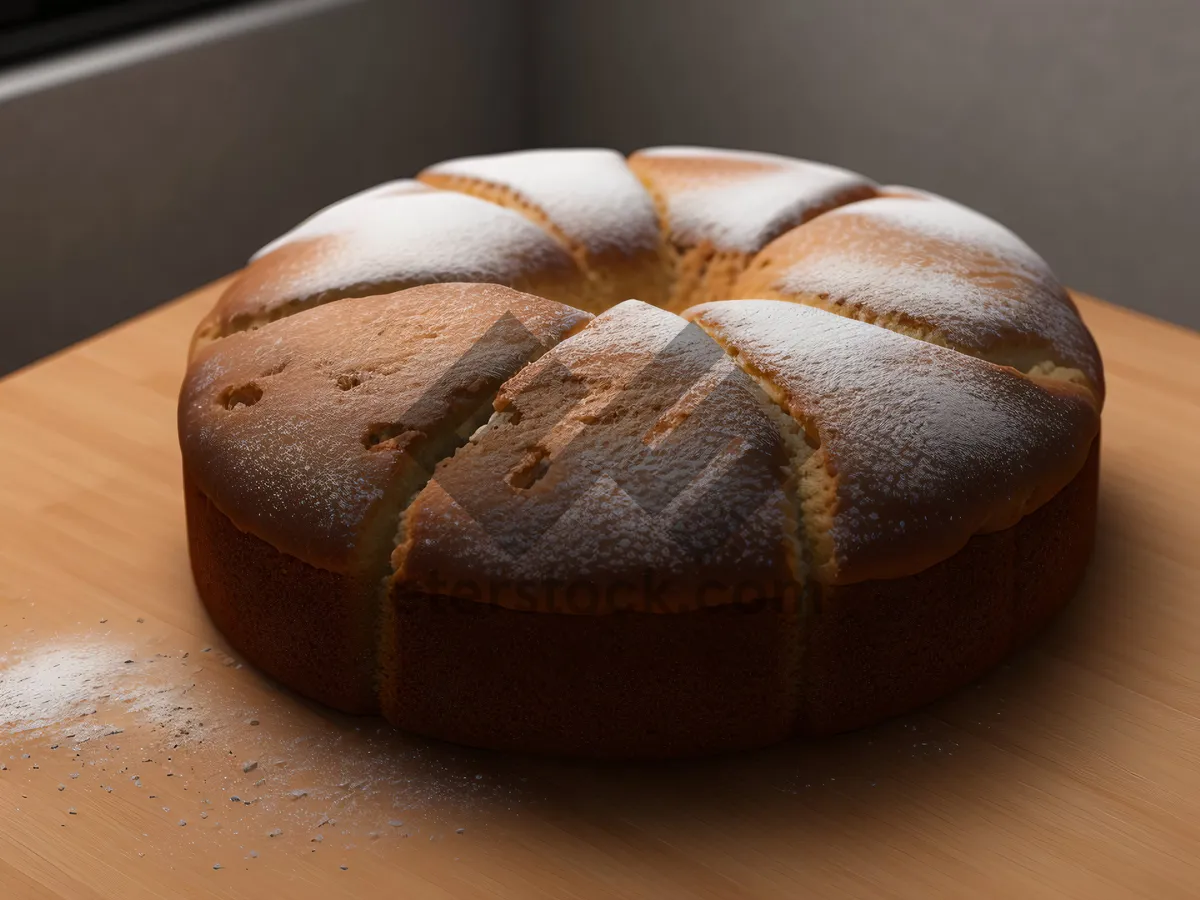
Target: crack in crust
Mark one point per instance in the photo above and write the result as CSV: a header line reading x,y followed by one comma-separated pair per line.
x,y
1035,359
970,285
509,199
837,485
812,493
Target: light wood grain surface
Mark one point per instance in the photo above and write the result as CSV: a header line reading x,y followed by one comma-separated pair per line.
x,y
127,729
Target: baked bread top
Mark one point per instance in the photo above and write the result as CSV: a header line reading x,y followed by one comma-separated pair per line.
x,y
737,200
912,448
588,199
635,446
314,432
398,235
937,270
773,436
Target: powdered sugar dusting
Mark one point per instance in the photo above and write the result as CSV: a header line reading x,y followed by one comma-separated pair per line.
x,y
588,193
946,266
294,464
637,377
928,446
739,200
394,241
962,228
347,214
421,238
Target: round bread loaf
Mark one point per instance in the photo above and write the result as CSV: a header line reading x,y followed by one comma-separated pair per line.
x,y
557,452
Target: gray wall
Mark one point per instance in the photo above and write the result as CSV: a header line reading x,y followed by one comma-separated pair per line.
x,y
135,171
132,173
1075,122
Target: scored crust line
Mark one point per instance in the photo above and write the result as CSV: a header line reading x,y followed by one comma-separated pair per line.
x,y
1029,364
509,199
808,491
815,487
675,253
810,546
396,519
243,322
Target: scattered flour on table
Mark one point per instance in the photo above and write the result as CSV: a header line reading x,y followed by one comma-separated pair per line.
x,y
163,726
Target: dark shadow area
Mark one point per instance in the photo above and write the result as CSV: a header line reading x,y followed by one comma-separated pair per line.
x,y
32,28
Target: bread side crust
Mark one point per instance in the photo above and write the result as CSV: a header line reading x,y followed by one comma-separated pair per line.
x,y
309,627
620,685
881,648
638,684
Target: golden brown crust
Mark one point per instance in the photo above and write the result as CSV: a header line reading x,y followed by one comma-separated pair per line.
x,y
741,201
589,200
920,447
934,269
635,444
720,207
703,273
387,242
309,432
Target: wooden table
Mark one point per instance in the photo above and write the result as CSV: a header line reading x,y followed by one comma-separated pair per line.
x,y
137,755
